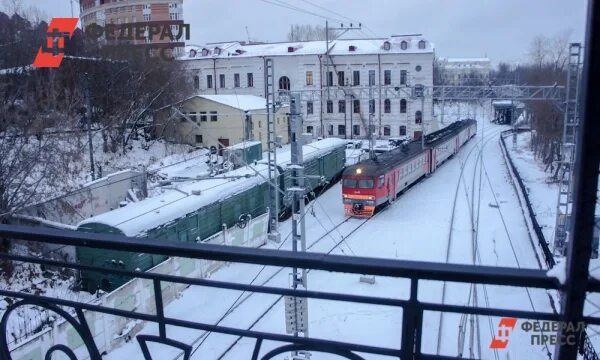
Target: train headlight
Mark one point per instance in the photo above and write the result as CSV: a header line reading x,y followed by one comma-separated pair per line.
x,y
359,171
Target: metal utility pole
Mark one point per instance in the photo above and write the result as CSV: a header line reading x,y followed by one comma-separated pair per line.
x,y
296,308
272,152
88,121
567,161
371,126
339,32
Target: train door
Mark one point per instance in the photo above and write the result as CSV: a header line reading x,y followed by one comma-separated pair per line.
x,y
391,187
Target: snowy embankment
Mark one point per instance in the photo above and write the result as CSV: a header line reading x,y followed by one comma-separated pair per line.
x,y
543,195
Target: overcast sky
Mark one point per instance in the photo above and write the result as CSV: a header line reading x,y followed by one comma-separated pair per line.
x,y
499,29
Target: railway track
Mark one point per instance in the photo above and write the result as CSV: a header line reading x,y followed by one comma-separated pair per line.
x,y
485,138
337,244
478,180
197,343
242,299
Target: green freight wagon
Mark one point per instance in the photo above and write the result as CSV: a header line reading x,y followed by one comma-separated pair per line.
x,y
197,210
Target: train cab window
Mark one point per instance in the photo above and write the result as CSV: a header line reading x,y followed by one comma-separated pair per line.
x,y
351,183
365,184
381,181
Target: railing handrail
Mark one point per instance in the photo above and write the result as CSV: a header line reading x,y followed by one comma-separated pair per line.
x,y
337,263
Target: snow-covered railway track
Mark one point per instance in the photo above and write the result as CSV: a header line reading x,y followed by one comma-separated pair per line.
x,y
198,342
485,138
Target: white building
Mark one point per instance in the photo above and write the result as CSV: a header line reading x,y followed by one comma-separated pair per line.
x,y
456,71
334,105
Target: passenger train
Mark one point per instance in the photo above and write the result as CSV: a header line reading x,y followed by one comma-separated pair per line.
x,y
374,183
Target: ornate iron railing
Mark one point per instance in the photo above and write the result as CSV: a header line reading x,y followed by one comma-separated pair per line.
x,y
412,308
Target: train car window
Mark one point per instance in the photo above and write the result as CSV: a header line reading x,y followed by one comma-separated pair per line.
x,y
365,184
351,183
381,180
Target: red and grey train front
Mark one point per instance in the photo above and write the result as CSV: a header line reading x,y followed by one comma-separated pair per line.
x,y
359,192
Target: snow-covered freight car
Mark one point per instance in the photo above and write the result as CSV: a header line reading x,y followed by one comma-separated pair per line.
x,y
195,211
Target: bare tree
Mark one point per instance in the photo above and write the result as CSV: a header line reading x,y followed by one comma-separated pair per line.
x,y
308,32
548,60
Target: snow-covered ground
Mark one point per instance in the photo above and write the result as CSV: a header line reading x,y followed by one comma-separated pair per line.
x,y
543,193
415,227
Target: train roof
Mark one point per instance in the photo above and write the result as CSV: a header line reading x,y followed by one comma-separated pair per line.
x,y
383,162
137,218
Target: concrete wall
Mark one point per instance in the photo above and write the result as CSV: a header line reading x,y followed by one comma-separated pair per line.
x,y
137,295
92,199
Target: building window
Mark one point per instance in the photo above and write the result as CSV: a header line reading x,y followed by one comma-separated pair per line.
x,y
403,75
356,78
342,130
330,78
372,106
330,130
387,46
203,116
403,106
284,83
329,106
222,80
213,116
356,106
356,130
418,68
418,117
309,78
198,139
209,84
403,45
371,77
386,130
340,78
402,130
342,106
196,82
309,129
387,77
421,44
387,106
236,80
250,78
309,107
193,116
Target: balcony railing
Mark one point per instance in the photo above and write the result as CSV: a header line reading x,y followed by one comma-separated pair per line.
x,y
411,310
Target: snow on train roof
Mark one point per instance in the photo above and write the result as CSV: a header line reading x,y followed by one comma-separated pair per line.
x,y
137,218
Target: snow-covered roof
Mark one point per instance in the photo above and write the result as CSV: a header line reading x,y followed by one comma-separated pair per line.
x,y
244,145
241,102
137,218
394,44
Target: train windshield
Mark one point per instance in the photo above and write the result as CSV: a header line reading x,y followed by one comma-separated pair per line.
x,y
365,184
351,183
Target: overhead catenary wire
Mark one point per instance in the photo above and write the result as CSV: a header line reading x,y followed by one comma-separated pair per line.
x,y
283,4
